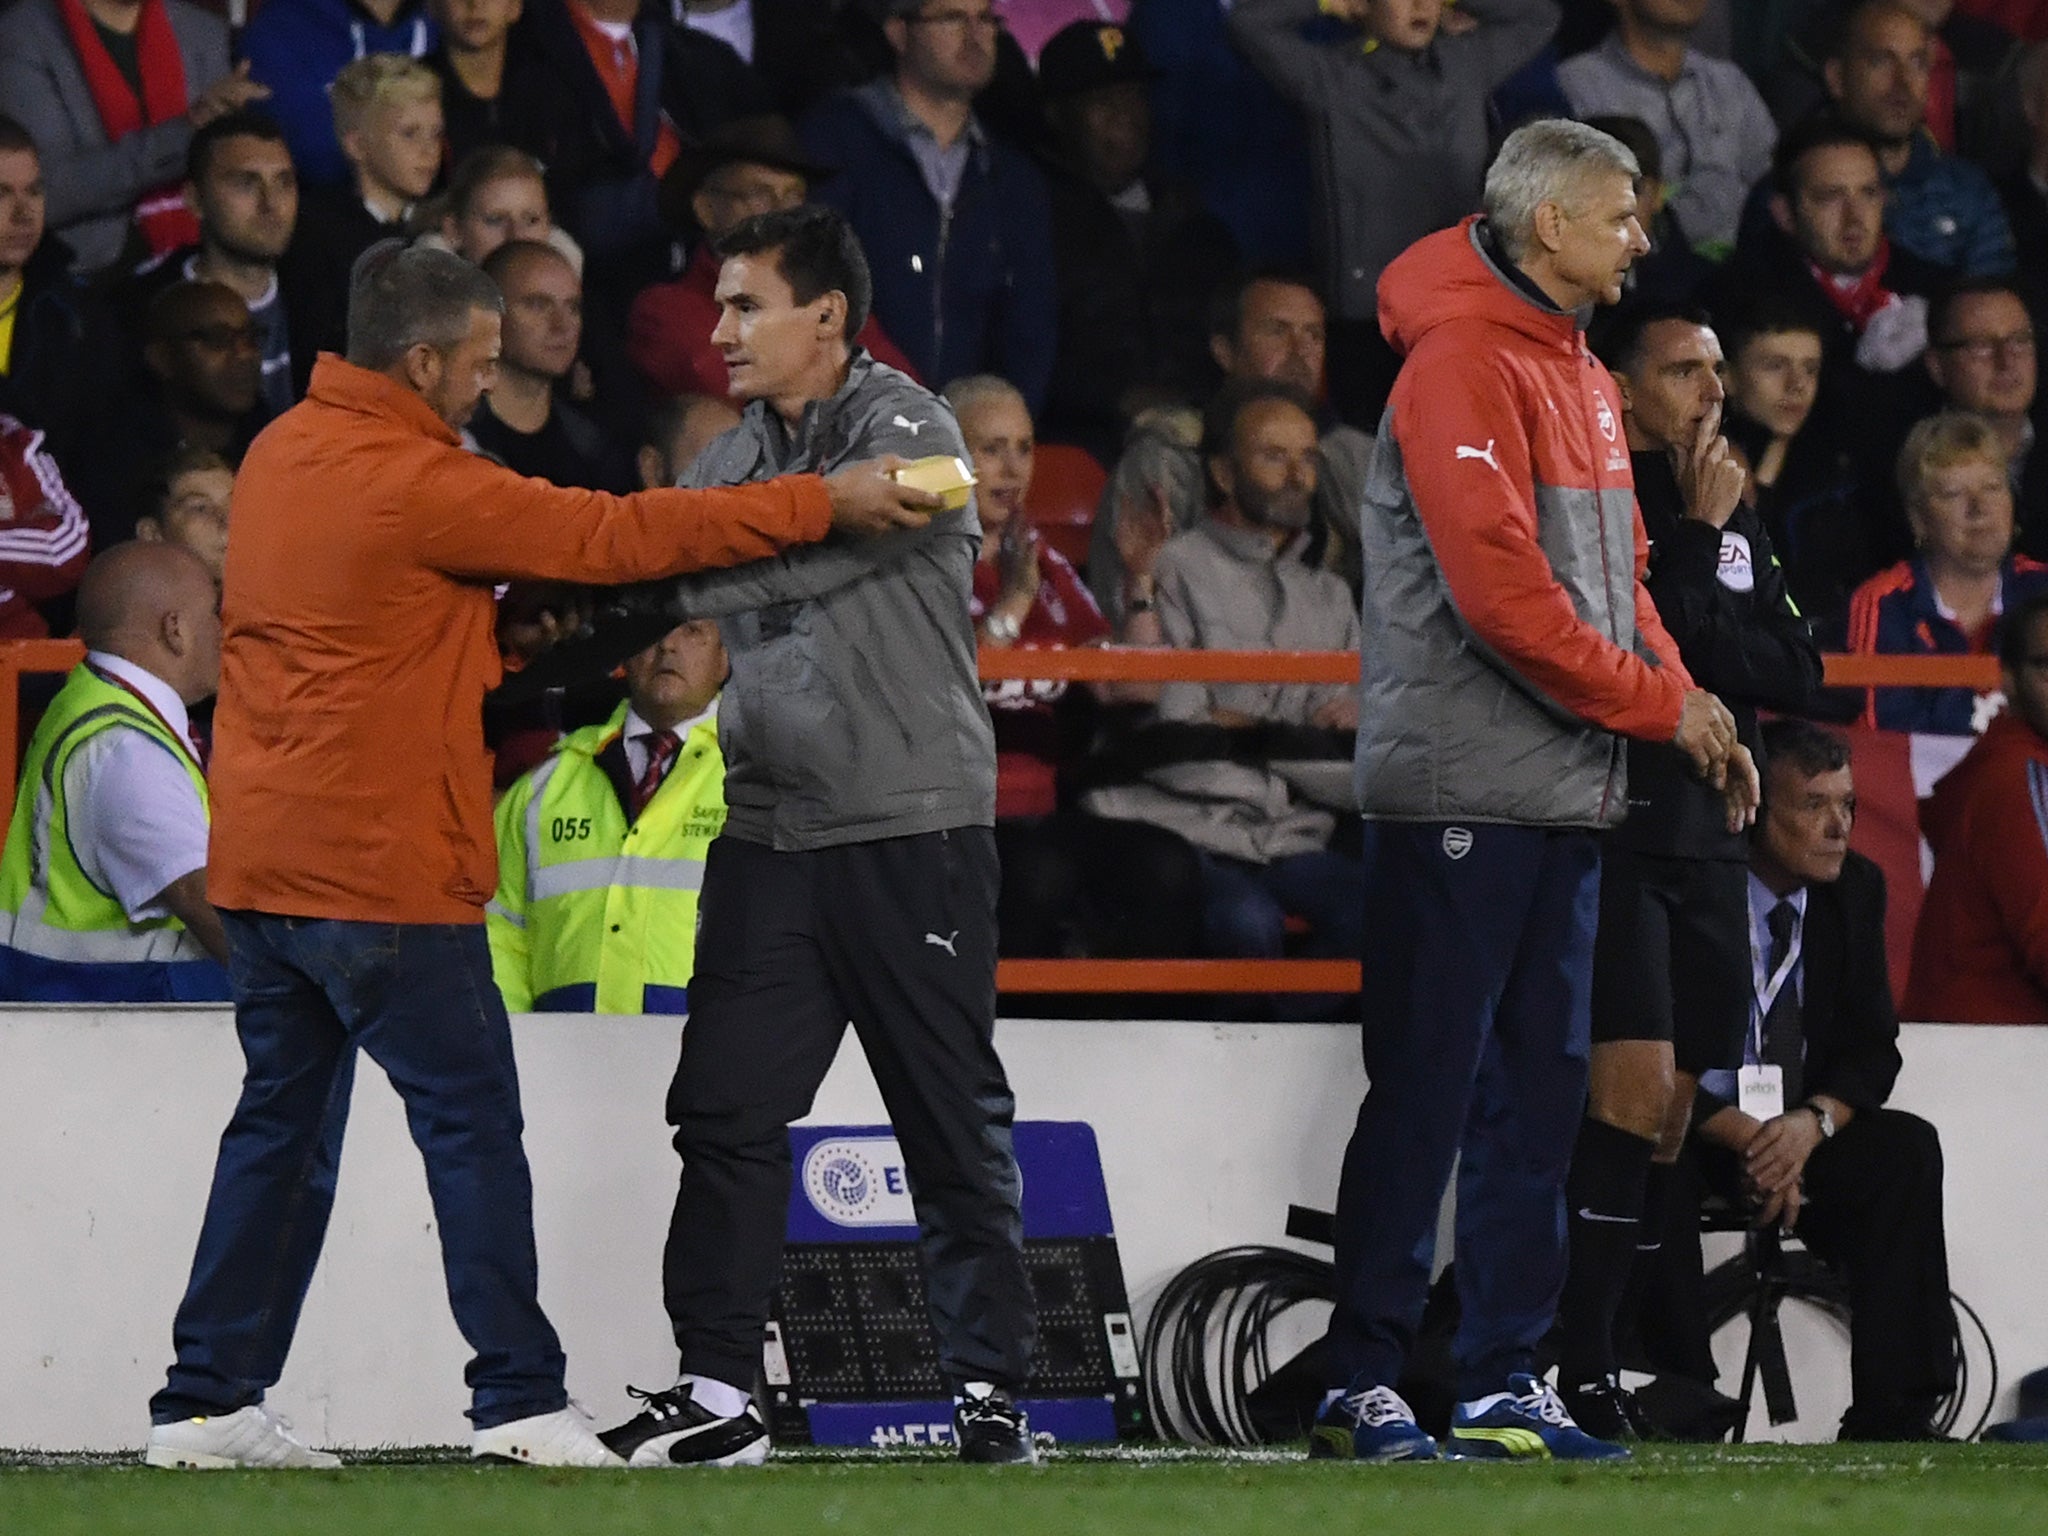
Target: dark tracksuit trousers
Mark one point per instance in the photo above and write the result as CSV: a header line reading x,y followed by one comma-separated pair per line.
x,y
1478,983
899,936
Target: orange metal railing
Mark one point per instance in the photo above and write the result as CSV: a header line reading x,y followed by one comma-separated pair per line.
x,y
17,658
1100,664
1159,665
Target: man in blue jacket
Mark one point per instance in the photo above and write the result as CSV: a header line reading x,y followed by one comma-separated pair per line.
x,y
956,226
1943,208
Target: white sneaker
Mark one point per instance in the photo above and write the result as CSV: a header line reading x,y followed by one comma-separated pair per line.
x,y
248,1437
563,1438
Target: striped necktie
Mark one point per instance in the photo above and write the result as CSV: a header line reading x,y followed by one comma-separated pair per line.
x,y
661,747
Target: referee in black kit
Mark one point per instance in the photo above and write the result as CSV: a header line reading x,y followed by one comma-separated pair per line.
x,y
1671,964
855,879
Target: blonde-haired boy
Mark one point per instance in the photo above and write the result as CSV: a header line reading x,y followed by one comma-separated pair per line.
x,y
387,115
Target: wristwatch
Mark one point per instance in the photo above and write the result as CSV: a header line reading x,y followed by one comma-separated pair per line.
x,y
1826,1117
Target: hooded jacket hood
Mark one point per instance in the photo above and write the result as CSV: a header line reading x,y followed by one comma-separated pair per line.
x,y
882,104
1454,275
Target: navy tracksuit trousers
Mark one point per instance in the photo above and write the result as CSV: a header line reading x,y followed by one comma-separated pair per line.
x,y
1478,986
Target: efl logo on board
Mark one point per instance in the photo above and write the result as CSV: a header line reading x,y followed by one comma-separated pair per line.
x,y
859,1182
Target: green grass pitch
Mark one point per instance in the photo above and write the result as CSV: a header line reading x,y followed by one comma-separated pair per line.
x,y
1754,1491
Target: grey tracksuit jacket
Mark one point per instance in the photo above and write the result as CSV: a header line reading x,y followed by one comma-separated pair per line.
x,y
853,712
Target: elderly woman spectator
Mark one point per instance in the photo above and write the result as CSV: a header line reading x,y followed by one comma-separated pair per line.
x,y
1073,884
1948,598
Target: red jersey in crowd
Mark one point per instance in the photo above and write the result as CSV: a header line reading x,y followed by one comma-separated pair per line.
x,y
1027,737
1980,953
42,532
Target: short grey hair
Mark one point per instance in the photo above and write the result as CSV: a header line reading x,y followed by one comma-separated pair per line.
x,y
979,389
1546,162
401,296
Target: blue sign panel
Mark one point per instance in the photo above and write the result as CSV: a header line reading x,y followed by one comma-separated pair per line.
x,y
851,1186
849,1357
892,1426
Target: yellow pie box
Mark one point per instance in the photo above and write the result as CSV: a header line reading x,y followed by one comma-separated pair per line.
x,y
943,473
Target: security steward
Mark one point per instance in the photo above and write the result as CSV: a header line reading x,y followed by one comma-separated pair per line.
x,y
601,848
102,885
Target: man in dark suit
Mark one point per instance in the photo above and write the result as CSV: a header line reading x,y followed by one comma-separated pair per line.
x,y
620,90
1800,1134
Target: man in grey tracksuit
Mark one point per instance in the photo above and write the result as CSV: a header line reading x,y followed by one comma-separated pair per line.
x,y
855,879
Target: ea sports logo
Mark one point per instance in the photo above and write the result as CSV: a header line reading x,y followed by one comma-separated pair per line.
x,y
1457,842
1737,570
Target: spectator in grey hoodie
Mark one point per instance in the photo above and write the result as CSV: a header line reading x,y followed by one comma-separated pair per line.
x,y
1398,127
1254,774
1714,134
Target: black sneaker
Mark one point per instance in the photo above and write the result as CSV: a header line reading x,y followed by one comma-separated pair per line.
x,y
989,1427
1605,1409
675,1430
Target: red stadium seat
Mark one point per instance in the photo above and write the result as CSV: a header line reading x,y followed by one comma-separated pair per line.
x,y
1066,485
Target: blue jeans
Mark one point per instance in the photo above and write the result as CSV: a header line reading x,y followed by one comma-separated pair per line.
x,y
1245,908
418,999
1478,1020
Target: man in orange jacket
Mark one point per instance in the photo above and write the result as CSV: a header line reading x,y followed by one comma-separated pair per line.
x,y
352,851
1980,952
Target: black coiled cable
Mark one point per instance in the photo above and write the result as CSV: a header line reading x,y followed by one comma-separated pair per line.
x,y
1952,1407
1204,1347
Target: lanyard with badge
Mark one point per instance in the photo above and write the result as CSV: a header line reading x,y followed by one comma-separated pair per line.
x,y
1760,1085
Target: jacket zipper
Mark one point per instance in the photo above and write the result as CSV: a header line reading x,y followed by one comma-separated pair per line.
x,y
1590,395
939,285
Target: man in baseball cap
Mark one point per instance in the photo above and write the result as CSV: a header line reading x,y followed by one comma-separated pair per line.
x,y
1137,255
1089,55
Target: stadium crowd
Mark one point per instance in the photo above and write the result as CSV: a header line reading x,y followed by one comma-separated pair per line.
x,y
1160,258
